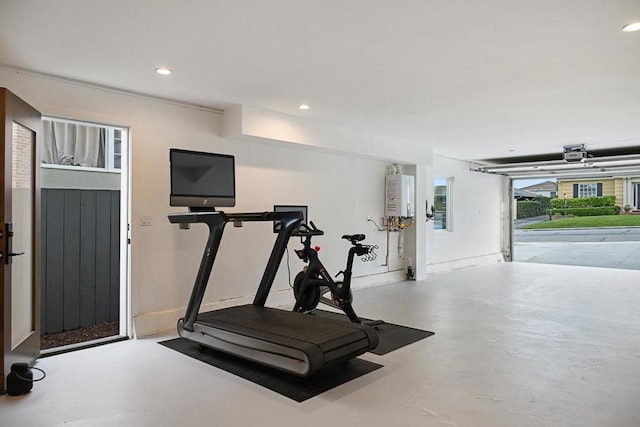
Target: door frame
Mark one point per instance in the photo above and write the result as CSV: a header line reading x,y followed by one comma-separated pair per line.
x,y
15,110
125,319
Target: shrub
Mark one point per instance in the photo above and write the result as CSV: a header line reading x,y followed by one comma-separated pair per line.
x,y
591,211
529,209
545,201
584,202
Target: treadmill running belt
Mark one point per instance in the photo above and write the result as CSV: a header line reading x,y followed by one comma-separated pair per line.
x,y
297,326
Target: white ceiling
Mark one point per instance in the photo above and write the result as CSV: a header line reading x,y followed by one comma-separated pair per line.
x,y
473,79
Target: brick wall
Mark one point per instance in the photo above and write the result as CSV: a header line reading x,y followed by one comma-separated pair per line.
x,y
22,157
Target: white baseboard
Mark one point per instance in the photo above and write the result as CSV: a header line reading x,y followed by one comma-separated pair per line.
x,y
460,264
378,279
165,321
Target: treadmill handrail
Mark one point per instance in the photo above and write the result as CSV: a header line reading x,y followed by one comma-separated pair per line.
x,y
216,222
197,217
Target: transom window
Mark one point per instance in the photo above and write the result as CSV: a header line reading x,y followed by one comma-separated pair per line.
x,y
78,145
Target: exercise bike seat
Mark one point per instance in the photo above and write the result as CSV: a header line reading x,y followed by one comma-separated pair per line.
x,y
353,238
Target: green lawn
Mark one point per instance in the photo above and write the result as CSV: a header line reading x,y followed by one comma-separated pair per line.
x,y
589,221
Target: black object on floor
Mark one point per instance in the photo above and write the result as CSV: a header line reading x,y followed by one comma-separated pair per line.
x,y
296,388
391,336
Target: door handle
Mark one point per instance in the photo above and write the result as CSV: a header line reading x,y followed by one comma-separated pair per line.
x,y
8,246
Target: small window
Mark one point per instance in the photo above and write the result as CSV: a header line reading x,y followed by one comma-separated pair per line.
x,y
79,145
588,190
442,203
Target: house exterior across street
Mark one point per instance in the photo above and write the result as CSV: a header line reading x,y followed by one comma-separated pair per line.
x,y
547,189
625,189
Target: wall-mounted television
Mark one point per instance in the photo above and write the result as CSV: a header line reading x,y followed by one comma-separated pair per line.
x,y
202,181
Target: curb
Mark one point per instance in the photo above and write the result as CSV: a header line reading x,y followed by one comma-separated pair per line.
x,y
582,228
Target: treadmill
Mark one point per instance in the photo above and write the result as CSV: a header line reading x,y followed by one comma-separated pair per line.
x,y
293,342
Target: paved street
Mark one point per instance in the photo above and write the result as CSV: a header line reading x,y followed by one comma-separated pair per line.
x,y
593,247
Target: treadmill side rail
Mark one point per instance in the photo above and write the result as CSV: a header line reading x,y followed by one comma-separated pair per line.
x,y
216,222
272,355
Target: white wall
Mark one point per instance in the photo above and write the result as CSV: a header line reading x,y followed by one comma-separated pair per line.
x,y
476,225
341,190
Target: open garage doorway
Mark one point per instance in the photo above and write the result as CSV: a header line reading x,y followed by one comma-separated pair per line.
x,y
591,217
591,222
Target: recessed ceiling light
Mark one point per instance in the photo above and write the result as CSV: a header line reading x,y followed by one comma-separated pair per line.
x,y
163,71
634,26
303,107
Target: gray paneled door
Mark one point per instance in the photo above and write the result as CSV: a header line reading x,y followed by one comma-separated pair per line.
x,y
20,130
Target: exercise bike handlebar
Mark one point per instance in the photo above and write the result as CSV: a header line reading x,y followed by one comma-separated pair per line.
x,y
310,230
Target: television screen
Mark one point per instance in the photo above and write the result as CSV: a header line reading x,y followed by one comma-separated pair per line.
x,y
202,180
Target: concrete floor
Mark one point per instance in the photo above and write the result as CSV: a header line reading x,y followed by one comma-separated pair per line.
x,y
516,344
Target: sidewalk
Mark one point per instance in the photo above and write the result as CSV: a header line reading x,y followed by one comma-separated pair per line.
x,y
519,224
592,254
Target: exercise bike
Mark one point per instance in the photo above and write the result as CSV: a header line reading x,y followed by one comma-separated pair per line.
x,y
313,283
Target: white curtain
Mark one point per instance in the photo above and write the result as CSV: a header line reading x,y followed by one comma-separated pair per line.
x,y
73,144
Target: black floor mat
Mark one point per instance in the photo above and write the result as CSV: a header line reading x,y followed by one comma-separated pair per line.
x,y
392,337
298,389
